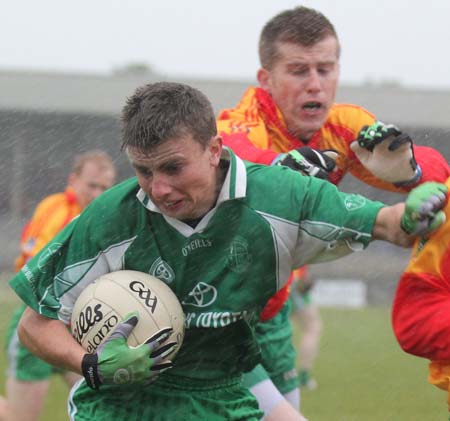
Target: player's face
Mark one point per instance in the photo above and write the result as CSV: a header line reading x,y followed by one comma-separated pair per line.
x,y
303,84
180,175
91,182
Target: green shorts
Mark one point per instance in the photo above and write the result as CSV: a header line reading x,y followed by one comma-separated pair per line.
x,y
278,355
22,364
167,399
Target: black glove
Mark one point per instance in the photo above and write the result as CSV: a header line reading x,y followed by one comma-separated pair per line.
x,y
309,161
370,136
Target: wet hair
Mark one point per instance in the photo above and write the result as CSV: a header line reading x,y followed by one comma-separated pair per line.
x,y
162,111
97,156
301,25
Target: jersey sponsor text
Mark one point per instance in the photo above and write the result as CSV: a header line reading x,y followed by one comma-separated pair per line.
x,y
214,319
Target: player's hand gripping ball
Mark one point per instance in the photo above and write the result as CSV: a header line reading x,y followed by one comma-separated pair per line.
x,y
131,325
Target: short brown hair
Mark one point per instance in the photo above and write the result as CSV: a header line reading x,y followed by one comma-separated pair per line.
x,y
301,25
165,110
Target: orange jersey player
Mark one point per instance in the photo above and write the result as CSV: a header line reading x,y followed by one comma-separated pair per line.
x,y
51,215
257,132
421,310
28,376
292,119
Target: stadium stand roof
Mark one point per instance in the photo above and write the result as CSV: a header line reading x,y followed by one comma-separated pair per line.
x,y
106,94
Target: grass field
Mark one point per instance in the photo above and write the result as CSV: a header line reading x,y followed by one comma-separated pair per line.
x,y
364,376
362,373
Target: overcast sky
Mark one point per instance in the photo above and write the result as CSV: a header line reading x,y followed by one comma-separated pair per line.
x,y
386,40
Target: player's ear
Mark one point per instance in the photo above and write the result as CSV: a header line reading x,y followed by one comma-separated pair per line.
x,y
215,149
263,77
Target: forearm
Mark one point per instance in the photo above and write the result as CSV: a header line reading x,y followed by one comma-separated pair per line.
x,y
50,340
387,226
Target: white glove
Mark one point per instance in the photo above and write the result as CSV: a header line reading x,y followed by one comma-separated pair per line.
x,y
387,153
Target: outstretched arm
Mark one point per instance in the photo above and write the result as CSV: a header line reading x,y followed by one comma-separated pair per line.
x,y
421,214
388,228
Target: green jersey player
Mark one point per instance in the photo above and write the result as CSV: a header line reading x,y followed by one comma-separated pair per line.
x,y
220,232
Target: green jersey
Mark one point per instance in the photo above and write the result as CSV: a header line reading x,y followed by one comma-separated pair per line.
x,y
266,221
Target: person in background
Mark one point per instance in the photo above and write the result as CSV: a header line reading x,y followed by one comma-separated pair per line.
x,y
248,236
292,119
28,377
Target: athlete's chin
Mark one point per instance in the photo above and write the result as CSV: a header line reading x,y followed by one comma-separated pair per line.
x,y
176,214
307,128
181,214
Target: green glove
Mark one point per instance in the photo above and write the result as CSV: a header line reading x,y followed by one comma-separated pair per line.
x,y
423,209
117,363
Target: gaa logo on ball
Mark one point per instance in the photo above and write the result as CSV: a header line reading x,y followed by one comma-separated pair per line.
x,y
107,301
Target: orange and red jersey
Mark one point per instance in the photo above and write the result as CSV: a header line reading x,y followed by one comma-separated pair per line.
x,y
50,216
421,310
257,132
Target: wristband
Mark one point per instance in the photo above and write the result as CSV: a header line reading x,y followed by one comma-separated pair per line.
x,y
89,369
416,178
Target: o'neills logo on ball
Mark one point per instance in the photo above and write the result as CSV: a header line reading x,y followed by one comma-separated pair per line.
x,y
87,318
91,323
103,332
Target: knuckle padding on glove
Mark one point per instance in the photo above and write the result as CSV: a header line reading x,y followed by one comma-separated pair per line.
x,y
399,140
317,158
370,136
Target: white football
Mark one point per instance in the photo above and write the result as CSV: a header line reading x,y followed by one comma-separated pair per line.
x,y
106,302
